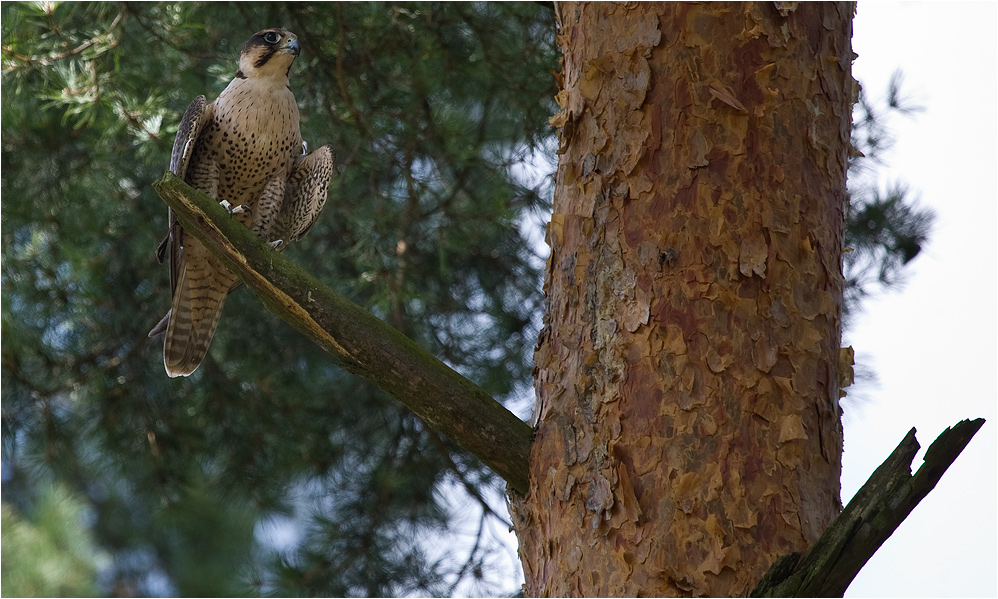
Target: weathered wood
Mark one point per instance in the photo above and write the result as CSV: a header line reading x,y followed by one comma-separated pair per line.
x,y
357,340
868,521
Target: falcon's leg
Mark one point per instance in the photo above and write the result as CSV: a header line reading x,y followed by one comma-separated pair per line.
x,y
268,208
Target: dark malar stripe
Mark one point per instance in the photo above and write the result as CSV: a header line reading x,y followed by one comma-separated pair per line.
x,y
271,50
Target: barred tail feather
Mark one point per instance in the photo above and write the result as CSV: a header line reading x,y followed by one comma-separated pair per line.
x,y
197,306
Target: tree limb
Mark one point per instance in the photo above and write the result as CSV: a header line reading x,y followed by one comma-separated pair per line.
x,y
358,341
871,517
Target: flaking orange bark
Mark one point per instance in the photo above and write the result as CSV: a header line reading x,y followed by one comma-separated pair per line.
x,y
687,420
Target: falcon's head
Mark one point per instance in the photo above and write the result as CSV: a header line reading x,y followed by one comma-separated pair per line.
x,y
269,53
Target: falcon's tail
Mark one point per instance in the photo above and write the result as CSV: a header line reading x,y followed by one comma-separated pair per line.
x,y
197,306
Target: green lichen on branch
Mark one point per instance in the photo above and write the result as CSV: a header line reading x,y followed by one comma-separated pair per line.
x,y
358,341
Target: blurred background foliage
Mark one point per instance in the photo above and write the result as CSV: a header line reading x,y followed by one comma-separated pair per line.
x,y
885,226
270,471
49,553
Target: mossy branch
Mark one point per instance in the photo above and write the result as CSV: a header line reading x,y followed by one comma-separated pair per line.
x,y
358,341
871,517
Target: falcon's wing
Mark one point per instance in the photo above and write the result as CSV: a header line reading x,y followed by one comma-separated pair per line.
x,y
183,145
305,193
187,134
198,113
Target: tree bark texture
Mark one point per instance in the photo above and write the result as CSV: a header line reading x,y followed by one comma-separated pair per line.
x,y
687,419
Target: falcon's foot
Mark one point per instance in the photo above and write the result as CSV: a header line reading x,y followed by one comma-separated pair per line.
x,y
240,209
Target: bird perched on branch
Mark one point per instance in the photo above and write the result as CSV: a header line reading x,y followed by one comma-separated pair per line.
x,y
245,150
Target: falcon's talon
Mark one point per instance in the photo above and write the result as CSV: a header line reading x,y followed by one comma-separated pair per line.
x,y
275,244
240,209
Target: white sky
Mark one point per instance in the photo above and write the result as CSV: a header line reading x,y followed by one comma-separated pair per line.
x,y
933,344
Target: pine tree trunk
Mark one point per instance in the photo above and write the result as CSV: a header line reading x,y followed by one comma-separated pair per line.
x,y
687,420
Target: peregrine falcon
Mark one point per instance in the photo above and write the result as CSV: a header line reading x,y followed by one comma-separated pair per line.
x,y
245,150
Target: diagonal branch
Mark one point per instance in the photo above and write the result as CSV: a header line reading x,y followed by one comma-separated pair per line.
x,y
358,341
876,511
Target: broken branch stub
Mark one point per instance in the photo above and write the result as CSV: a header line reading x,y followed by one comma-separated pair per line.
x,y
869,519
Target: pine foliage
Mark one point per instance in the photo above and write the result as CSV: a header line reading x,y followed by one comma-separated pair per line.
x,y
885,227
270,470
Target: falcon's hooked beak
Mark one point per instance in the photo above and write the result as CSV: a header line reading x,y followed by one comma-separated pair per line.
x,y
293,46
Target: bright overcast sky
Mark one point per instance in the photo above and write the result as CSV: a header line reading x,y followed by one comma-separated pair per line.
x,y
933,344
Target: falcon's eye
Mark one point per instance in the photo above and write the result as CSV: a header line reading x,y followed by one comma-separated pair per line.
x,y
271,38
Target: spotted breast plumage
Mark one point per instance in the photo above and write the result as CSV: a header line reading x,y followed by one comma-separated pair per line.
x,y
244,149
